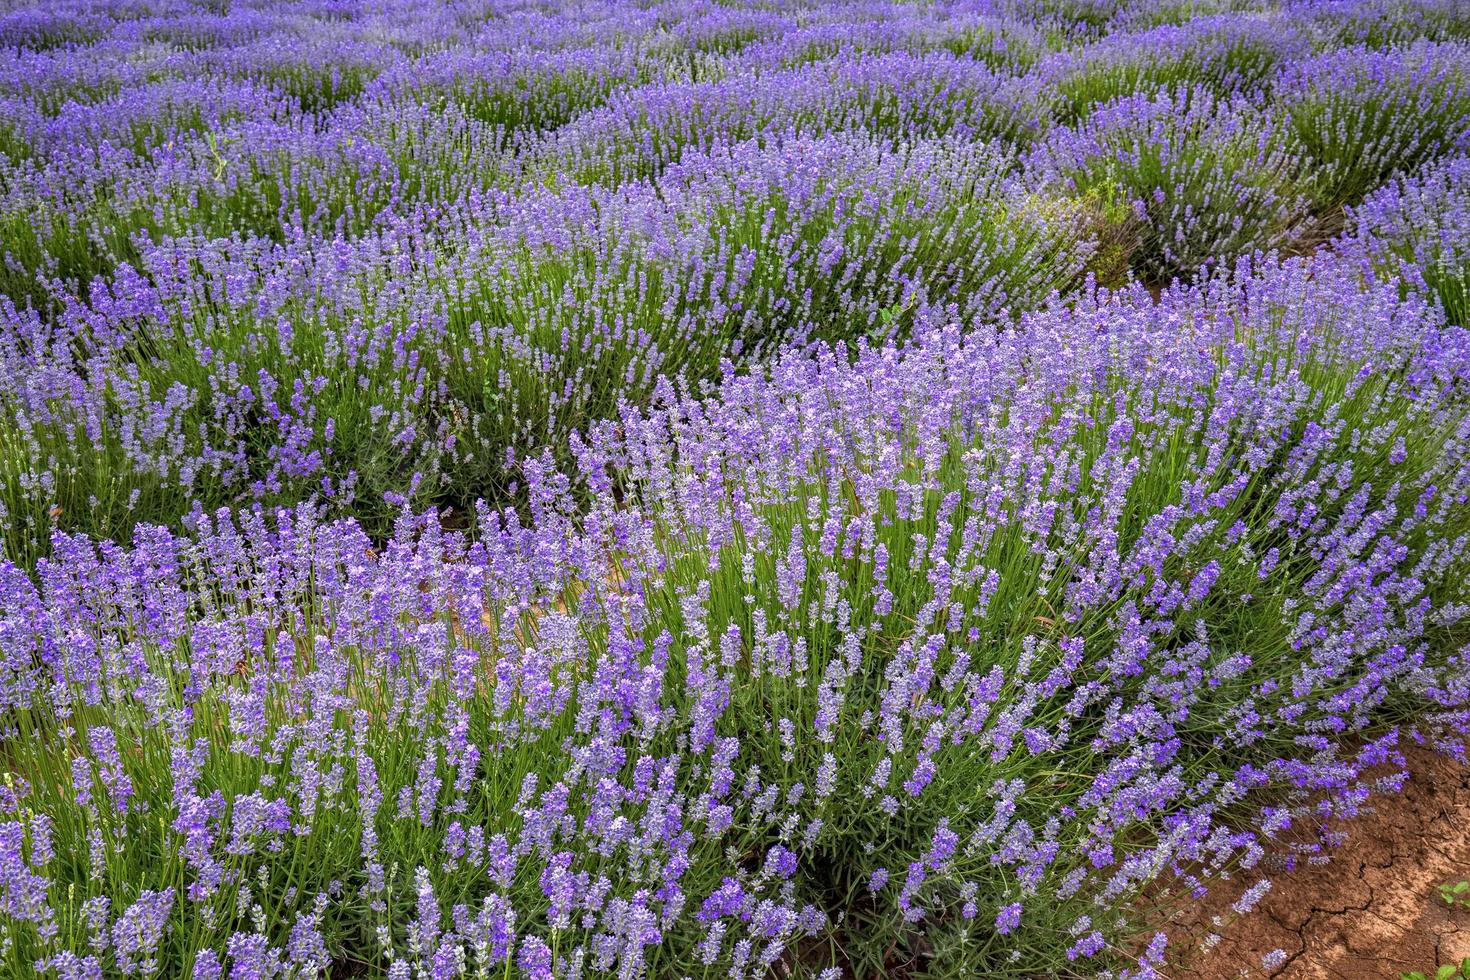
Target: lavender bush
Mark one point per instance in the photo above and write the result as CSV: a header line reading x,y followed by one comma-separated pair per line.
x,y
1385,25
1358,116
896,96
1418,231
1190,178
1229,54
676,489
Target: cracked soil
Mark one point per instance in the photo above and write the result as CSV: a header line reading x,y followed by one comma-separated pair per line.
x,y
1372,912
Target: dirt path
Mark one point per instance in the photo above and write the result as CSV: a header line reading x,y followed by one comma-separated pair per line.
x,y
1372,912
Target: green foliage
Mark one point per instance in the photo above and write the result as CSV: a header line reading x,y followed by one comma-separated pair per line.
x,y
1112,223
1449,971
1455,894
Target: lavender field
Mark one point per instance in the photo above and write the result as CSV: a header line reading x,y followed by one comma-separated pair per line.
x,y
692,489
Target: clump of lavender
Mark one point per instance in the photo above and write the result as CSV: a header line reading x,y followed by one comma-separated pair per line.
x,y
80,213
1383,24
897,97
1155,13
589,294
1357,116
1193,178
1417,229
44,30
519,90
1000,42
1227,54
1070,21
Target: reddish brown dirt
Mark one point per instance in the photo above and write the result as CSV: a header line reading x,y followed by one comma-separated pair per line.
x,y
1372,912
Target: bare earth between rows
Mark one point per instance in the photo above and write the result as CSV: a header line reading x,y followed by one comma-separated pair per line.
x,y
1372,912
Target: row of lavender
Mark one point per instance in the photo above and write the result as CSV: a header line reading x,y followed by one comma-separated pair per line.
x,y
877,595
367,255
933,659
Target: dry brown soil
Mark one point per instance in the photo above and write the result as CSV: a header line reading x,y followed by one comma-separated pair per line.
x,y
1372,912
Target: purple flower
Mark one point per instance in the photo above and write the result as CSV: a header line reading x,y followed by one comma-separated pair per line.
x,y
780,862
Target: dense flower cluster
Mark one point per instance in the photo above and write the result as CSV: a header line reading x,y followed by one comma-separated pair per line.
x,y
269,252
1358,116
1418,230
1195,179
684,489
